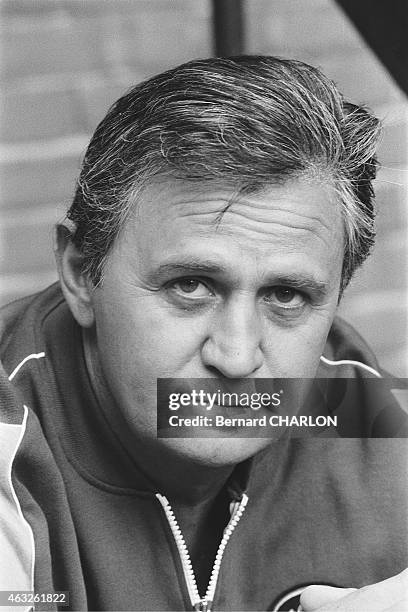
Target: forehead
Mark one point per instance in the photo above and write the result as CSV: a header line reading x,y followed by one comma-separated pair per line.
x,y
177,218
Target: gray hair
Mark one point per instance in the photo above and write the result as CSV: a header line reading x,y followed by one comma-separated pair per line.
x,y
247,121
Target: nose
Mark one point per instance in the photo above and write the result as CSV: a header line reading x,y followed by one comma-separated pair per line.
x,y
233,345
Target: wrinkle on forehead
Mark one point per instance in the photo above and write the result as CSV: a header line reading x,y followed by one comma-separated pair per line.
x,y
297,218
264,216
248,213
298,206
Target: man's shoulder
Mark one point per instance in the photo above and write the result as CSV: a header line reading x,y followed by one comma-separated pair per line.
x,y
40,301
21,322
367,400
28,467
26,347
347,354
10,314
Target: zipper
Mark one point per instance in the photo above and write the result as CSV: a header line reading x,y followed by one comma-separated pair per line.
x,y
202,604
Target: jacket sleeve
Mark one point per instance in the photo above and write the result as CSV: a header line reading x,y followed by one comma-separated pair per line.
x,y
17,549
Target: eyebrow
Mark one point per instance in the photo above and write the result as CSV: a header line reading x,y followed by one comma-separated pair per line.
x,y
302,281
199,266
190,265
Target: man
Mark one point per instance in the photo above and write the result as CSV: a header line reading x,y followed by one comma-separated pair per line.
x,y
221,211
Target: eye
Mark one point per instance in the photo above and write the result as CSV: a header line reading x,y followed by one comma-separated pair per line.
x,y
190,287
285,294
285,297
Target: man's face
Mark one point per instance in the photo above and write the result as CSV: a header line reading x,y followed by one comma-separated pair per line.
x,y
191,293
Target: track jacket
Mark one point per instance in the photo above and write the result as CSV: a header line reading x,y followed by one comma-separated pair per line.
x,y
77,516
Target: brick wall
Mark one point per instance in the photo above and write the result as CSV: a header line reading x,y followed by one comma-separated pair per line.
x,y
65,61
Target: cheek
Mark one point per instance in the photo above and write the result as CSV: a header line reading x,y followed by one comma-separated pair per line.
x,y
146,341
295,353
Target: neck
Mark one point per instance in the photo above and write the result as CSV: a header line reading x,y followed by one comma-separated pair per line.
x,y
183,482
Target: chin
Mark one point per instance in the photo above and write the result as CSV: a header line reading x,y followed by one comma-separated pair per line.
x,y
217,452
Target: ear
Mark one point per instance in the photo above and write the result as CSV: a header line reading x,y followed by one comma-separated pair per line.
x,y
75,284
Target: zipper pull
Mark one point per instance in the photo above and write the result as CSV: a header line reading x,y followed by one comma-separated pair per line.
x,y
202,606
